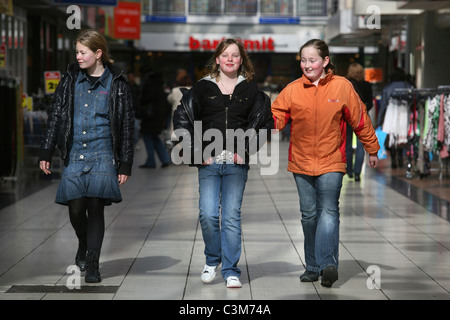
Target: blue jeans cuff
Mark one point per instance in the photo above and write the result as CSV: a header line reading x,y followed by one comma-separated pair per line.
x,y
313,269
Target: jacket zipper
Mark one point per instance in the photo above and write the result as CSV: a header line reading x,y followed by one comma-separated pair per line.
x,y
226,121
315,129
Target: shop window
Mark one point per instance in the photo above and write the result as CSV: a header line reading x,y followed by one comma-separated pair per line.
x,y
334,8
168,7
241,7
277,7
205,7
312,7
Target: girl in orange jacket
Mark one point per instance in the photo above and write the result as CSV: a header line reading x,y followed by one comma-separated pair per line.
x,y
319,104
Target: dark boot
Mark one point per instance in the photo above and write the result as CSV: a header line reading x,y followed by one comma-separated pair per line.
x,y
309,276
329,276
80,258
92,265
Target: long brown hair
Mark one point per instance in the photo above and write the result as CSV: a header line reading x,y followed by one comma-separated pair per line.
x,y
246,69
94,40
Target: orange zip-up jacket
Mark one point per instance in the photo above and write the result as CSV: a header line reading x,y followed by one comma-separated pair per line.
x,y
318,130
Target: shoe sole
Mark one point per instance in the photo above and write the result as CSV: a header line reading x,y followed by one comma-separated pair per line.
x,y
329,276
92,279
235,286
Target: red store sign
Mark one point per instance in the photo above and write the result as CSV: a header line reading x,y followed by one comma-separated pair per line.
x,y
264,44
127,20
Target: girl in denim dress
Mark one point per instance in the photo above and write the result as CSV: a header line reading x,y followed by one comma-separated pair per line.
x,y
90,105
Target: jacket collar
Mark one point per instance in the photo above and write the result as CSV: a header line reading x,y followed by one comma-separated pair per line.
x,y
73,69
322,81
103,80
209,78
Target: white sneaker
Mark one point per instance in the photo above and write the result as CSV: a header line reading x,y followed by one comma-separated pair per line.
x,y
233,282
208,273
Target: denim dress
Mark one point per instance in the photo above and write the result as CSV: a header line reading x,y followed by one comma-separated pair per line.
x,y
91,171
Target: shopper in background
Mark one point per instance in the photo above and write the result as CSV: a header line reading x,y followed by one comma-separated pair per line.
x,y
153,108
226,99
175,95
270,88
356,76
135,90
180,77
91,122
319,103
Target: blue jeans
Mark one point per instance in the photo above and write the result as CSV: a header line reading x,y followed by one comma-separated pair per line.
x,y
319,206
153,143
221,189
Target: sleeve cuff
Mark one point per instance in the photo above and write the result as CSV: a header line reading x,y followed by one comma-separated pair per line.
x,y
45,155
124,168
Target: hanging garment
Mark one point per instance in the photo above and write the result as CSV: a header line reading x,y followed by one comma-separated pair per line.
x,y
432,120
396,122
446,104
441,129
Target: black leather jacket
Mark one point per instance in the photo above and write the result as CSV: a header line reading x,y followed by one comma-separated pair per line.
x,y
59,129
249,108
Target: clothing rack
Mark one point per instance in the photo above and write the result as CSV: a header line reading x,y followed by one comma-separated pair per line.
x,y
443,89
444,92
403,93
423,109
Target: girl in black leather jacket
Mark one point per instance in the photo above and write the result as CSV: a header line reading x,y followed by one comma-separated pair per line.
x,y
91,121
225,101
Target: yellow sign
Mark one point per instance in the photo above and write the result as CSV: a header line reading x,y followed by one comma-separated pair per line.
x,y
27,102
2,56
24,100
6,6
51,81
30,103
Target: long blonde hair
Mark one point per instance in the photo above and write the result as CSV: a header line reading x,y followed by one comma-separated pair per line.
x,y
246,69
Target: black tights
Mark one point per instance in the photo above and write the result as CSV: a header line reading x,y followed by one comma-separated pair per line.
x,y
88,219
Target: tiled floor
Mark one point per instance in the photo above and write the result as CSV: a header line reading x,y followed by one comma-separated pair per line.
x,y
392,228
